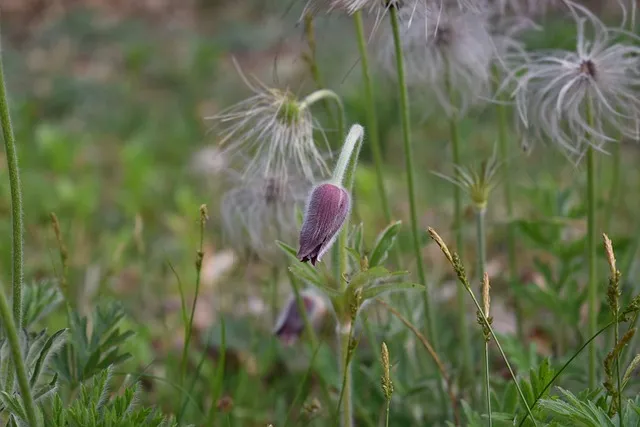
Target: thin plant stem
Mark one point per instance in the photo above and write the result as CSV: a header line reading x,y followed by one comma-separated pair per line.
x,y
17,224
413,209
425,343
482,267
11,332
467,359
591,257
189,325
502,353
386,423
345,336
565,366
458,267
503,144
372,121
310,58
487,385
614,191
300,390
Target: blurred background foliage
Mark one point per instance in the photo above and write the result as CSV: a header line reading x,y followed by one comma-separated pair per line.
x,y
109,100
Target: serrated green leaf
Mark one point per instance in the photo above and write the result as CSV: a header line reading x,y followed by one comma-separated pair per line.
x,y
375,291
383,244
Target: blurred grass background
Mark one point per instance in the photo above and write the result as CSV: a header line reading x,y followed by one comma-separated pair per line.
x,y
109,101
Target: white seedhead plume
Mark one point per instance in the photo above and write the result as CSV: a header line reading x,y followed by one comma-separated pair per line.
x,y
449,54
275,130
584,97
258,210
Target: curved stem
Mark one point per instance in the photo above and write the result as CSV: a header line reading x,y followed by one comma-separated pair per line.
x,y
18,361
16,200
408,157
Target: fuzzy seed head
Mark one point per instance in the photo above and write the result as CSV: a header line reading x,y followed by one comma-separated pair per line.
x,y
449,52
258,211
581,98
274,130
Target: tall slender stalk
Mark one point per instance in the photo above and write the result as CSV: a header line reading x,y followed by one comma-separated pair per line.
x,y
482,268
372,121
503,145
591,252
12,324
408,158
345,400
17,224
463,332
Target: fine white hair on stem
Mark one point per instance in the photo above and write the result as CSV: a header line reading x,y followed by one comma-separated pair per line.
x,y
257,211
453,48
275,130
585,97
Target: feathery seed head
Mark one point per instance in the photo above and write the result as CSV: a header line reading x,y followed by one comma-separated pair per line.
x,y
258,210
275,130
450,52
576,98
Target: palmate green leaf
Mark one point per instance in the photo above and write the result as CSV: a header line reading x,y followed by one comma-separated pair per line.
x,y
376,291
383,244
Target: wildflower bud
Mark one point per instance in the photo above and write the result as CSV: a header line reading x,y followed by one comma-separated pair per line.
x,y
387,384
327,209
290,324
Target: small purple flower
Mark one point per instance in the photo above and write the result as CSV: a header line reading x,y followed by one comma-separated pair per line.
x,y
290,326
327,209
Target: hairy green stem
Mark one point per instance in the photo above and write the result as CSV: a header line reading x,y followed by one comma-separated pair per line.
x,y
408,157
16,200
591,259
11,332
345,400
503,145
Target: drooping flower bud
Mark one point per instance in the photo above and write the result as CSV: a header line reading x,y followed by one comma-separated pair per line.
x,y
327,209
290,324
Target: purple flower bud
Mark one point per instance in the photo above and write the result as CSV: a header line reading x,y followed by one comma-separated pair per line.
x,y
290,326
327,208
